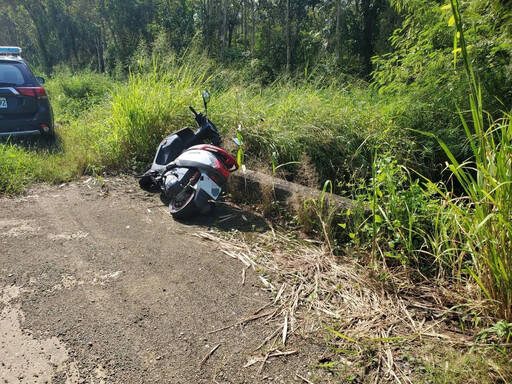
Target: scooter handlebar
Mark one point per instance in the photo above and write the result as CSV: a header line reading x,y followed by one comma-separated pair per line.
x,y
193,111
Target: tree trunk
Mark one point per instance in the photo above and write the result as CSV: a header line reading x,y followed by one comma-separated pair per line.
x,y
100,49
224,29
38,17
368,12
71,34
288,38
338,31
253,27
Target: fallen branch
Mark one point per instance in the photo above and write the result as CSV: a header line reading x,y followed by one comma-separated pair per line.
x,y
303,378
285,328
209,355
269,355
243,321
263,363
284,353
269,338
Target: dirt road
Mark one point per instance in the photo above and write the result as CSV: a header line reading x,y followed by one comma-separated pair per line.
x,y
99,284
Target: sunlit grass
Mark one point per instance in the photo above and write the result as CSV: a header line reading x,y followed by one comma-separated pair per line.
x,y
337,129
116,126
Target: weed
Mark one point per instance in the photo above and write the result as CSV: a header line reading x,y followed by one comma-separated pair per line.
x,y
73,94
401,215
480,219
318,216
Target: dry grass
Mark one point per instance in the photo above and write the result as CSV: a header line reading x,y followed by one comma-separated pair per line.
x,y
379,326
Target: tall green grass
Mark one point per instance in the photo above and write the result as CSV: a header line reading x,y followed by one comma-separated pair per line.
x,y
482,217
123,133
285,121
460,229
74,94
24,165
14,169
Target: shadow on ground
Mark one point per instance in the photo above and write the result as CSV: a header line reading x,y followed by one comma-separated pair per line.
x,y
38,144
227,217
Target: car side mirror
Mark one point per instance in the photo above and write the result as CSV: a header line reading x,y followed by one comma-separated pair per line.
x,y
40,80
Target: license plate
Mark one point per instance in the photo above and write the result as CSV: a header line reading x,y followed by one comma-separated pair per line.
x,y
3,102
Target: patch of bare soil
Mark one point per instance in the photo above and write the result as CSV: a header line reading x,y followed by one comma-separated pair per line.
x,y
98,284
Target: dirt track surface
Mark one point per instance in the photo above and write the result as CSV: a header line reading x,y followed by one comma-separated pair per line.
x,y
98,284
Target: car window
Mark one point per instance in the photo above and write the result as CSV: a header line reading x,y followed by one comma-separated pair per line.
x,y
11,74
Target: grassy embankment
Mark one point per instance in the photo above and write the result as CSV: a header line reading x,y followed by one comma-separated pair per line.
x,y
107,125
347,134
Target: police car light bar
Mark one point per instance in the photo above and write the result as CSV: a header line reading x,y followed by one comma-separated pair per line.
x,y
10,51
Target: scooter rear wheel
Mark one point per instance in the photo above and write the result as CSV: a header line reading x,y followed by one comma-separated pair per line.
x,y
183,206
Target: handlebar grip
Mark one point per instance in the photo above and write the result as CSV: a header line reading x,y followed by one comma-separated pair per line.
x,y
193,110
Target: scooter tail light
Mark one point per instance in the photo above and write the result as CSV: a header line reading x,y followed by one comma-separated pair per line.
x,y
214,178
220,167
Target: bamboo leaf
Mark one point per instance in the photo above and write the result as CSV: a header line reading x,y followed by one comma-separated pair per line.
x,y
479,282
339,334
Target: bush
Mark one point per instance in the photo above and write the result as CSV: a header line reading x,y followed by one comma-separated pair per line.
x,y
73,94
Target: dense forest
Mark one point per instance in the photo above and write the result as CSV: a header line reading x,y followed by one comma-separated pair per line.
x,y
273,36
400,47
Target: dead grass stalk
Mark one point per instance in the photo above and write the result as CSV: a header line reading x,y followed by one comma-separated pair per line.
x,y
368,319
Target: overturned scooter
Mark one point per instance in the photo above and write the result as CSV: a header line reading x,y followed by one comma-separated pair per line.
x,y
189,172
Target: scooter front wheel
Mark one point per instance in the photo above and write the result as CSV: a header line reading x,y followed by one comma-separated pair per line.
x,y
183,205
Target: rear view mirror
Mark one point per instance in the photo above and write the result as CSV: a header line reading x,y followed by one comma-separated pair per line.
x,y
40,80
206,97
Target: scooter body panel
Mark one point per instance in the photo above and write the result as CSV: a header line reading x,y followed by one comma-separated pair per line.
x,y
206,161
196,159
171,147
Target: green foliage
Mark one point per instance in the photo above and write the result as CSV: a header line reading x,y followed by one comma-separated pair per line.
x,y
22,164
483,215
424,70
481,219
471,234
73,94
285,121
240,151
445,365
401,215
142,112
15,172
268,37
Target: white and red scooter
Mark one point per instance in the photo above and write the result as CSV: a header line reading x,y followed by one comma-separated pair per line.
x,y
189,172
